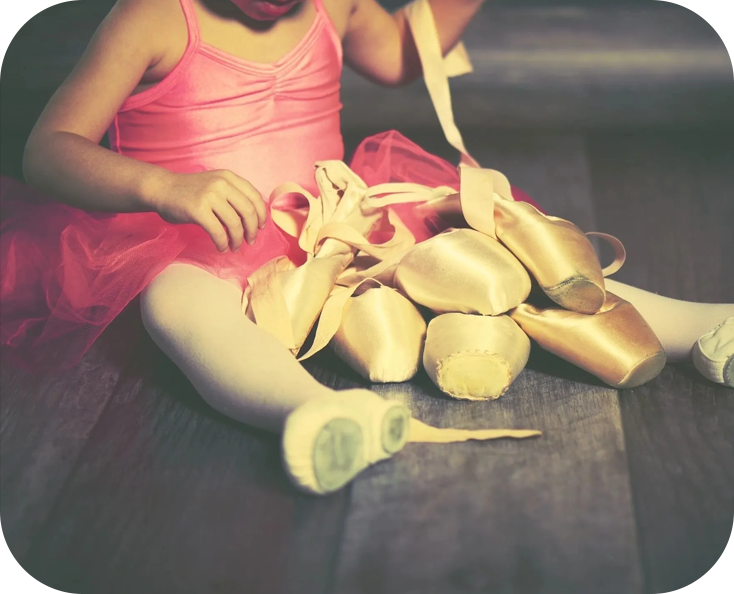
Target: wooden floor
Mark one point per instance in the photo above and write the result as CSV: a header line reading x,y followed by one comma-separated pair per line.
x,y
116,478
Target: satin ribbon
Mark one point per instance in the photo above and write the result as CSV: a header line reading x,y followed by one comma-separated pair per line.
x,y
335,225
422,433
335,222
436,71
331,230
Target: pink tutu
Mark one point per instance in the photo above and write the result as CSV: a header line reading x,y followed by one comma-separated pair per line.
x,y
66,273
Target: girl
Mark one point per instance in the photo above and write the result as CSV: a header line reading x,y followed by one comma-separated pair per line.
x,y
209,105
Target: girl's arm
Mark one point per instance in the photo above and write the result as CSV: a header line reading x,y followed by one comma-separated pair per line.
x,y
63,155
380,46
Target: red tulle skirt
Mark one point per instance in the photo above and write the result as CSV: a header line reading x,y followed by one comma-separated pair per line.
x,y
66,273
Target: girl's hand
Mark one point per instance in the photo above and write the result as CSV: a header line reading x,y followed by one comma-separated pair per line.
x,y
228,207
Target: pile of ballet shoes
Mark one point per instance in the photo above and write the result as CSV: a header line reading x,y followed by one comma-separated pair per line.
x,y
478,292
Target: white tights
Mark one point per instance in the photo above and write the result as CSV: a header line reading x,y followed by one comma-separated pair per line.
x,y
243,372
239,369
677,324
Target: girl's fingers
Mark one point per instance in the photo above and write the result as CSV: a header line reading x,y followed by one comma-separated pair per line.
x,y
232,222
246,211
255,198
211,224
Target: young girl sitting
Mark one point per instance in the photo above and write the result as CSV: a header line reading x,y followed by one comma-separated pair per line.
x,y
209,105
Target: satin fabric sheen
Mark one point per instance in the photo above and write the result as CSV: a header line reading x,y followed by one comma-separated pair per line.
x,y
463,271
615,344
381,335
474,357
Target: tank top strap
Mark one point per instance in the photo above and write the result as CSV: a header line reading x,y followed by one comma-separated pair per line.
x,y
323,14
192,47
192,23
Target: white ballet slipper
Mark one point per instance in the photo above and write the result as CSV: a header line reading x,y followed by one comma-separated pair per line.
x,y
328,441
713,354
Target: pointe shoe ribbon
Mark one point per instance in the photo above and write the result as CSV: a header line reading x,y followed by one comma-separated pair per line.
x,y
555,251
437,69
285,300
494,280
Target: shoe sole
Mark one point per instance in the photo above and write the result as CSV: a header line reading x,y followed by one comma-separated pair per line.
x,y
645,371
340,446
707,365
577,294
729,373
474,376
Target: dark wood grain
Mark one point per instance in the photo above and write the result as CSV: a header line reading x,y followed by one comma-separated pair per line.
x,y
584,65
553,514
45,424
172,497
117,478
669,198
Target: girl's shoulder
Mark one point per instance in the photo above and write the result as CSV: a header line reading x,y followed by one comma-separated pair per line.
x,y
150,22
159,26
340,11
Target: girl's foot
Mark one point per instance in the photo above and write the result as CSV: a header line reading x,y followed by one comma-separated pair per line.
x,y
713,354
328,441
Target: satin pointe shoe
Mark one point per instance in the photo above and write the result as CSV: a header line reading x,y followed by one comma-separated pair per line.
x,y
328,441
463,270
713,354
381,335
555,251
616,344
473,357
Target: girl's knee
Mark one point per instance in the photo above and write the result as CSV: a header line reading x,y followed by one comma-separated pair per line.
x,y
159,306
184,298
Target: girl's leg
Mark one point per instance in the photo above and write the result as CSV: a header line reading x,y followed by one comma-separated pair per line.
x,y
239,369
677,324
245,373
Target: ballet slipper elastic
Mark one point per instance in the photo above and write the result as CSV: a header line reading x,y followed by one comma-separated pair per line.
x,y
464,271
422,433
381,335
713,354
329,440
616,344
474,357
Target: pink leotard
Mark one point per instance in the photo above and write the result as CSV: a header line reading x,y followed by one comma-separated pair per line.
x,y
68,273
268,123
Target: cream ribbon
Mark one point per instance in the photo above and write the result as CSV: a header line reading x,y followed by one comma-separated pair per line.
x,y
422,433
479,187
326,214
335,214
436,71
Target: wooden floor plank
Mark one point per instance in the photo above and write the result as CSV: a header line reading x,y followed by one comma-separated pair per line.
x,y
548,515
669,198
45,423
172,497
